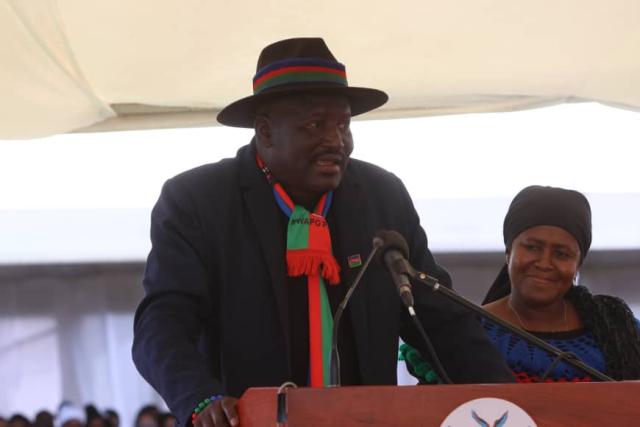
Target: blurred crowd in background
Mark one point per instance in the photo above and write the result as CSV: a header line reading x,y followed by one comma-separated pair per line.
x,y
71,415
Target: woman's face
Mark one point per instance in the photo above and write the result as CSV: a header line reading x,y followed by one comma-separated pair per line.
x,y
543,261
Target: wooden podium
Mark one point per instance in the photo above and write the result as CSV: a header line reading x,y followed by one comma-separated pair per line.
x,y
550,405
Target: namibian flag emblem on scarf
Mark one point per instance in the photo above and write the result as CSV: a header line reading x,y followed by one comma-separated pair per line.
x,y
309,254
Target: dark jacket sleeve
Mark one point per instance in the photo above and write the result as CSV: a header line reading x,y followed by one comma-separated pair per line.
x,y
461,343
169,321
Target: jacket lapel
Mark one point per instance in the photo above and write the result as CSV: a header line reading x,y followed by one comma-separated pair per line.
x,y
264,213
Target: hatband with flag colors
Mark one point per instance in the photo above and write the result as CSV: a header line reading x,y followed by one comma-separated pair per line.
x,y
299,70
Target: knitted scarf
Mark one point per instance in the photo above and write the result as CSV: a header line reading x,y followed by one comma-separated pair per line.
x,y
309,254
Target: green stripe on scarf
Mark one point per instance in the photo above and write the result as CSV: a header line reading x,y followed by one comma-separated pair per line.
x,y
327,325
298,229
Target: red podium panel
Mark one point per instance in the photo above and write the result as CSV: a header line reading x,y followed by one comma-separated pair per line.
x,y
550,405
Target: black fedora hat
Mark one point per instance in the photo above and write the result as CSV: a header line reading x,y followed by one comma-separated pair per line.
x,y
299,65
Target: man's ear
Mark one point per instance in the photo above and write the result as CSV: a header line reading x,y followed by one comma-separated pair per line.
x,y
262,128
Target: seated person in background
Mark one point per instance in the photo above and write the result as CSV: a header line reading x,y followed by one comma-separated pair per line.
x,y
166,419
18,420
547,234
113,418
43,419
148,416
70,415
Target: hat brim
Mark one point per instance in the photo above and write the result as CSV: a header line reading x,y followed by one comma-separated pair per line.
x,y
241,113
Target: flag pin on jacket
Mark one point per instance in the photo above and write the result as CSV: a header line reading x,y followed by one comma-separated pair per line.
x,y
354,261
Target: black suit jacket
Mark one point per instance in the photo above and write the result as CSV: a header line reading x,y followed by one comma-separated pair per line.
x,y
215,319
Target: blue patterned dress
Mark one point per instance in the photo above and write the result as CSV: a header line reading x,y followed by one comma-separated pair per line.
x,y
529,363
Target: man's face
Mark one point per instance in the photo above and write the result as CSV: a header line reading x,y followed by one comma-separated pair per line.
x,y
306,142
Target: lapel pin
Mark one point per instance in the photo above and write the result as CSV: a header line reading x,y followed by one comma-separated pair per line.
x,y
354,261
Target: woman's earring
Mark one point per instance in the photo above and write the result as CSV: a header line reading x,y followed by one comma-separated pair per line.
x,y
575,280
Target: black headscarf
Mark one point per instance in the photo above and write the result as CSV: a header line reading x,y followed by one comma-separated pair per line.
x,y
608,318
537,205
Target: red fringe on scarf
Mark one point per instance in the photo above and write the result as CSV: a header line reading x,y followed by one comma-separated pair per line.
x,y
310,262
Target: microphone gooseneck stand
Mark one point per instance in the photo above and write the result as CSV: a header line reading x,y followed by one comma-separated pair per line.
x,y
432,356
334,363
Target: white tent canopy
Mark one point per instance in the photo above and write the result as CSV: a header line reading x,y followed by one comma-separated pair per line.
x,y
69,64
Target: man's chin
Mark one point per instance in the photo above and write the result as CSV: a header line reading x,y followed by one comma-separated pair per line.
x,y
328,183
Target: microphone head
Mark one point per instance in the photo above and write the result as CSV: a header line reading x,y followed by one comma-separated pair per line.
x,y
391,240
377,242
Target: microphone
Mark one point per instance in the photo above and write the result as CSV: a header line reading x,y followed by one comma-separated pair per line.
x,y
334,361
393,255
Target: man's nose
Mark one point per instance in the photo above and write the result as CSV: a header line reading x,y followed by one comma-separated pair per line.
x,y
334,136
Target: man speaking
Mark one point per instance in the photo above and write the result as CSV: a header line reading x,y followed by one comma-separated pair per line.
x,y
252,255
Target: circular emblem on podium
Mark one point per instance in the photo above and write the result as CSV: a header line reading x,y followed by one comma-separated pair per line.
x,y
488,412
